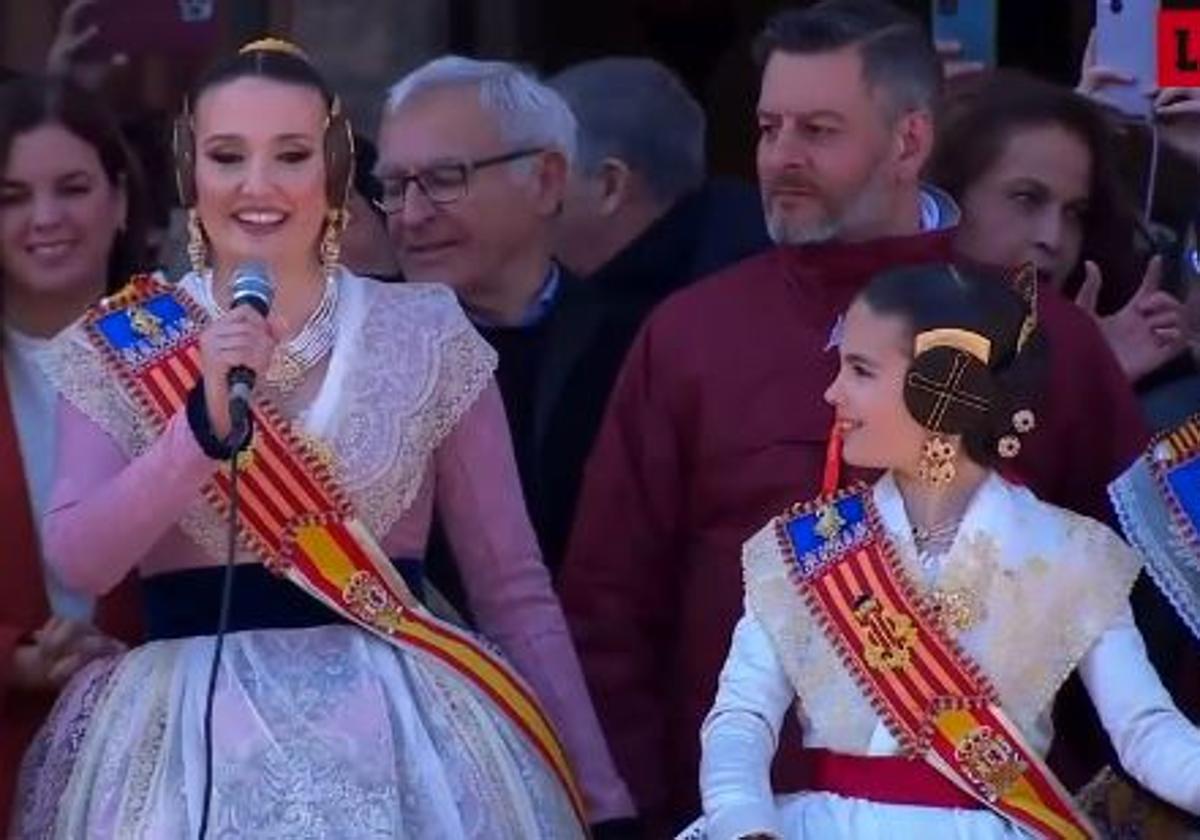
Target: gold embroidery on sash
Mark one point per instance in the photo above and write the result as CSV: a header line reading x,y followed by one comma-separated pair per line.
x,y
890,636
989,762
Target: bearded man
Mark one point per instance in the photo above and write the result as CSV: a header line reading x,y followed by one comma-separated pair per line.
x,y
718,423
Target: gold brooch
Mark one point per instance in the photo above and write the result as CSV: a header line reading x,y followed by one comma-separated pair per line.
x,y
957,610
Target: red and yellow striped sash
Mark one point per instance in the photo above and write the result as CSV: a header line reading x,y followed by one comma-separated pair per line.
x,y
934,700
1183,440
294,516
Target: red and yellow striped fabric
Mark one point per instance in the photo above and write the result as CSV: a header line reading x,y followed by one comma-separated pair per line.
x,y
934,700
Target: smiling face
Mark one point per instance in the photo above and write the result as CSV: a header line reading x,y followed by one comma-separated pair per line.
x,y
868,392
59,215
473,242
1031,204
260,172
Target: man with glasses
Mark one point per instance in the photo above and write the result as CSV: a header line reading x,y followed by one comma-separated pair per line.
x,y
473,160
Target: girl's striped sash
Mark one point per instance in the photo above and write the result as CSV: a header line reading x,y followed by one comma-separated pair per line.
x,y
934,700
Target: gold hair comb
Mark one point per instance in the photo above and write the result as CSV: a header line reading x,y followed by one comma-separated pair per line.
x,y
277,45
967,341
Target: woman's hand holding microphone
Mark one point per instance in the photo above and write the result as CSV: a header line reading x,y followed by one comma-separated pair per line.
x,y
240,337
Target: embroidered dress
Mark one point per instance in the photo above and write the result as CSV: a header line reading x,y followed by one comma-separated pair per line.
x,y
1027,591
321,729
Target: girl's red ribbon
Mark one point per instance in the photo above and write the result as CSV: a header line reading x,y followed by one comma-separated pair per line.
x,y
833,463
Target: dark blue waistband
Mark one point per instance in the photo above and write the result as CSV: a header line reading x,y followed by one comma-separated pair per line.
x,y
188,602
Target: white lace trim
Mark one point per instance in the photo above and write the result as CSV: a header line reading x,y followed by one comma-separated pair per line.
x,y
79,375
421,366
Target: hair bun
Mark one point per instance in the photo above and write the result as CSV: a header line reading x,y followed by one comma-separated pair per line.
x,y
950,391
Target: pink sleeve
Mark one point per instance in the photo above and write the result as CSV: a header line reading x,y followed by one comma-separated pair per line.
x,y
105,512
480,501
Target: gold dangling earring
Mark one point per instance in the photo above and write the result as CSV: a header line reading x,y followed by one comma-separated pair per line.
x,y
937,461
331,246
196,249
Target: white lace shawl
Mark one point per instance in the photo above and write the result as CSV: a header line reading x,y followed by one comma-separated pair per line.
x,y
1045,584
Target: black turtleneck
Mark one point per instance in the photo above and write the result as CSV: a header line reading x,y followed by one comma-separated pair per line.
x,y
521,351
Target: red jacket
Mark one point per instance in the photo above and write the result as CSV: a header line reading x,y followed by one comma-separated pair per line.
x,y
718,423
24,607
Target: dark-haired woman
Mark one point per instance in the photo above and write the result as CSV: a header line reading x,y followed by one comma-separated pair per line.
x,y
69,209
1033,169
343,708
922,626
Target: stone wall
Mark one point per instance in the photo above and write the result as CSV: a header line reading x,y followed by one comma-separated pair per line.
x,y
362,46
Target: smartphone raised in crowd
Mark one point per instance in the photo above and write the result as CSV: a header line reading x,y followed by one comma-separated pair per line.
x,y
134,27
1126,41
970,23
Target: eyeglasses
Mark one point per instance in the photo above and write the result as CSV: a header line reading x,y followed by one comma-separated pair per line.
x,y
442,183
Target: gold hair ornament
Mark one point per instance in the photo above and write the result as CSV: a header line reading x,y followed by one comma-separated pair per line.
x,y
968,341
276,45
1025,281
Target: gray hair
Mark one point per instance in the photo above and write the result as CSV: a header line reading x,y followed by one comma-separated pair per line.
x,y
897,52
527,112
638,111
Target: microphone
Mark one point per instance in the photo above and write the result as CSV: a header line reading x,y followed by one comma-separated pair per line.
x,y
252,286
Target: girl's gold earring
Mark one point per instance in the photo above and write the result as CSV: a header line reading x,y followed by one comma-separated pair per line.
x,y
937,461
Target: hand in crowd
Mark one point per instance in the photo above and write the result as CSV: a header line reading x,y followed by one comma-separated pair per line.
x,y
953,64
239,337
70,38
1093,77
1177,111
59,649
1148,331
1191,321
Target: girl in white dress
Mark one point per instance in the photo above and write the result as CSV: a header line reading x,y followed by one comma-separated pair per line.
x,y
935,370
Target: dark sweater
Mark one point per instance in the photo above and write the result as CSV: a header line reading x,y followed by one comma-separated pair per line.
x,y
521,351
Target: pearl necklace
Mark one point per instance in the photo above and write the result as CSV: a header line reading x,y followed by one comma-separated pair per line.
x,y
295,358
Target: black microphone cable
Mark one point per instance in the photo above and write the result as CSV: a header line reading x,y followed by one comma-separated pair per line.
x,y
252,287
222,627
